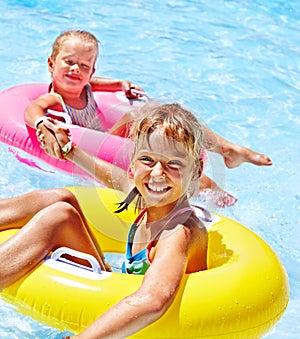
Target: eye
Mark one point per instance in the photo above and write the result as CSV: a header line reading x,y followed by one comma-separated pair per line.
x,y
147,160
176,164
87,67
69,62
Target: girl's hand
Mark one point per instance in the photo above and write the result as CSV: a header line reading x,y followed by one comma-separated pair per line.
x,y
127,88
53,137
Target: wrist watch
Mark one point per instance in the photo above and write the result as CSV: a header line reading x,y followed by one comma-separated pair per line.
x,y
67,148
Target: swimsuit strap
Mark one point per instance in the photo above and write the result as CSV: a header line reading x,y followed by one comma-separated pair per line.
x,y
142,213
181,211
178,212
51,91
133,228
60,99
135,224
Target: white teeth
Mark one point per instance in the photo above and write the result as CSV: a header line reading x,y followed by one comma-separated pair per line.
x,y
157,188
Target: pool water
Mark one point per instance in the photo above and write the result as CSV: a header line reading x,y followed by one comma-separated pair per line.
x,y
234,63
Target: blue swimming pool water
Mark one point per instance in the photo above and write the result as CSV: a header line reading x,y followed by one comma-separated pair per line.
x,y
235,63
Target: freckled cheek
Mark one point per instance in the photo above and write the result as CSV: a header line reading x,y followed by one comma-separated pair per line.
x,y
139,174
61,69
86,72
140,169
183,178
176,175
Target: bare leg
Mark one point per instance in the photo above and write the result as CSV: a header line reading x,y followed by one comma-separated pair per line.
x,y
47,225
234,155
17,211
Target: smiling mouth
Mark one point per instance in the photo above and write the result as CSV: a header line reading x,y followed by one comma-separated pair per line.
x,y
157,188
73,77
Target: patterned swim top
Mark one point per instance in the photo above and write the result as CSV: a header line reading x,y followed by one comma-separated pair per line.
x,y
138,263
86,117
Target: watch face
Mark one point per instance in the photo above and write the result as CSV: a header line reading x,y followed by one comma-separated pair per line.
x,y
67,148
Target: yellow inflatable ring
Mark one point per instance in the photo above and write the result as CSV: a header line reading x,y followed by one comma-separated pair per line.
x,y
242,294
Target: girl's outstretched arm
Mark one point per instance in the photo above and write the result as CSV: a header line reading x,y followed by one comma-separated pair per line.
x,y
113,85
110,175
155,295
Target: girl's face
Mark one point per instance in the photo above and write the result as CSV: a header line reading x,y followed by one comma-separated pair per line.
x,y
163,170
74,65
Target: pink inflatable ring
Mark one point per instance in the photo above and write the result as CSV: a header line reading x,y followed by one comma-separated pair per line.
x,y
111,106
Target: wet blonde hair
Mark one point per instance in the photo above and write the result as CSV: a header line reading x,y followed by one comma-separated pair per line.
x,y
173,121
176,123
86,37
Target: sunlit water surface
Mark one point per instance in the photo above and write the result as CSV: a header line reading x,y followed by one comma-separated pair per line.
x,y
234,63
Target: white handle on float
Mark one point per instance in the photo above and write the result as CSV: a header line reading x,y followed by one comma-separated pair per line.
x,y
57,256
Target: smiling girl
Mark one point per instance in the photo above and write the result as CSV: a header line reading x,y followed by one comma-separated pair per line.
x,y
72,67
166,240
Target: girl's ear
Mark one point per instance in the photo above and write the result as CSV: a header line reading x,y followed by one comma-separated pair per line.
x,y
130,172
198,171
50,65
94,70
201,164
195,182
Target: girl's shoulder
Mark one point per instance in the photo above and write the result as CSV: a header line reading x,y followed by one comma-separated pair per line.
x,y
185,216
186,220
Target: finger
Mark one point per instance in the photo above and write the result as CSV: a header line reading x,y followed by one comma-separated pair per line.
x,y
41,138
129,94
134,93
51,124
132,85
38,133
138,92
56,127
57,151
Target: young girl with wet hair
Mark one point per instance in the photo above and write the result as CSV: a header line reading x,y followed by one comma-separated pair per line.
x,y
166,240
72,67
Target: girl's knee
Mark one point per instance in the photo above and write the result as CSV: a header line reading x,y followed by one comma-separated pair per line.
x,y
64,195
58,218
65,211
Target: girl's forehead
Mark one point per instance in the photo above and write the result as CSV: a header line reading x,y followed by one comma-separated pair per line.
x,y
76,45
159,143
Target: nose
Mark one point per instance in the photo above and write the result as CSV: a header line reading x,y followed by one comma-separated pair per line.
x,y
157,171
74,68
